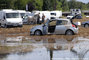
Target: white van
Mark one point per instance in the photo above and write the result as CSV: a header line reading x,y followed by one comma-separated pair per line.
x,y
49,14
10,18
46,13
55,14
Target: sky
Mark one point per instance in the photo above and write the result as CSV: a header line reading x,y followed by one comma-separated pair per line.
x,y
85,1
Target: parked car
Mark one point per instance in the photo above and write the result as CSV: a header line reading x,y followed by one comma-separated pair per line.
x,y
55,26
85,24
10,18
70,16
78,16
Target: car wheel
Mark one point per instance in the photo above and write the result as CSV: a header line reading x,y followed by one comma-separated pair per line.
x,y
86,25
38,33
69,32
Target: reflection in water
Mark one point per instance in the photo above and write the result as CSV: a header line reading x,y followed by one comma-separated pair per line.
x,y
81,47
64,55
87,55
67,48
36,54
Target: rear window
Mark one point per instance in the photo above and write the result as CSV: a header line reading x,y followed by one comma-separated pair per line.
x,y
62,22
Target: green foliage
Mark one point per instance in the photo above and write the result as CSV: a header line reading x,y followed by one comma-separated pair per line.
x,y
64,5
46,5
72,4
58,7
38,4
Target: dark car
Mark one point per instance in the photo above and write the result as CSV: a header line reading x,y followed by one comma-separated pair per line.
x,y
85,24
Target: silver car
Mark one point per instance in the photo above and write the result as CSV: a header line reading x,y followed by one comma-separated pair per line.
x,y
55,26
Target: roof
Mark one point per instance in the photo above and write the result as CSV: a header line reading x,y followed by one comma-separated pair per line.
x,y
66,12
21,11
9,11
60,19
85,11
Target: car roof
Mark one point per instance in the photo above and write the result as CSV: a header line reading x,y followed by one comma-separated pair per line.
x,y
9,11
61,19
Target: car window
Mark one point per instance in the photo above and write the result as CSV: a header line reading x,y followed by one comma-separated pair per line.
x,y
52,23
53,14
62,22
52,17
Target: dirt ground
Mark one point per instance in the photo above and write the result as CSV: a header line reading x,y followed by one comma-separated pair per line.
x,y
25,31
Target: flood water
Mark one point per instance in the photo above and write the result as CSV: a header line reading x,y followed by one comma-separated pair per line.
x,y
28,48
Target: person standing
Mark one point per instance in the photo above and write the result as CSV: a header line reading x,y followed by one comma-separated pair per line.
x,y
43,18
38,18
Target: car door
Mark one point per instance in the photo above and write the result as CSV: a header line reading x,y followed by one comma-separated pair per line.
x,y
45,28
60,27
52,26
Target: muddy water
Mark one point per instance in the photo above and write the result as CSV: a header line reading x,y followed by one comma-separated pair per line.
x,y
29,48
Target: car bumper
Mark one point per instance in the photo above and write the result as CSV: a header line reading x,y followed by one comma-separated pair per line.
x,y
14,24
76,30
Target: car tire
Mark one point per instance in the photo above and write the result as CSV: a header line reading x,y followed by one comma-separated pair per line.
x,y
86,25
69,32
38,33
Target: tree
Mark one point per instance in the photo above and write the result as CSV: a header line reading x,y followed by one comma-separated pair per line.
x,y
87,5
64,5
53,4
31,6
38,4
58,7
21,4
72,4
46,5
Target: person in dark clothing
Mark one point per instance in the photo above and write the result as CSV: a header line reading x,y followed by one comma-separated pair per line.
x,y
38,18
43,18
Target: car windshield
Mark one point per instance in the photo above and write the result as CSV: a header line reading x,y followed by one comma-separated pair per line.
x,y
12,15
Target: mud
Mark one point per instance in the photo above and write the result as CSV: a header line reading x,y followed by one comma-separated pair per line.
x,y
17,42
